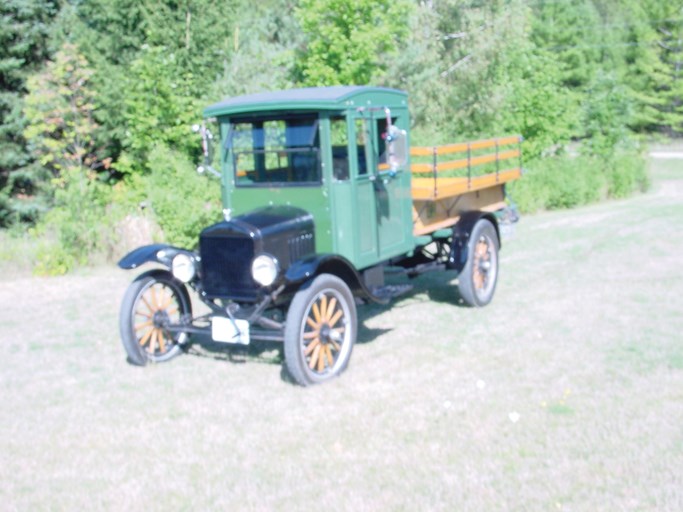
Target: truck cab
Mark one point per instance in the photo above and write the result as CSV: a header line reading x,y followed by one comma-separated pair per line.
x,y
324,149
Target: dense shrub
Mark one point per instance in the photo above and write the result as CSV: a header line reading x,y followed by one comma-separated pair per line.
x,y
77,227
182,202
627,174
565,181
82,225
111,86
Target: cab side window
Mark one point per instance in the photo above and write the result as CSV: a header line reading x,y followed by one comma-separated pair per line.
x,y
340,148
361,137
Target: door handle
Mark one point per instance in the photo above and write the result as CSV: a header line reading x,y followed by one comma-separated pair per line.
x,y
388,175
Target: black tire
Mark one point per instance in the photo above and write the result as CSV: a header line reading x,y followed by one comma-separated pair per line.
x,y
151,300
477,281
320,331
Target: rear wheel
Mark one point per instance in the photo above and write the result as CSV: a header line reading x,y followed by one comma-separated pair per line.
x,y
320,331
477,281
152,302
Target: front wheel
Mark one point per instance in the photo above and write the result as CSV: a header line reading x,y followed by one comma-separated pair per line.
x,y
320,331
152,302
477,281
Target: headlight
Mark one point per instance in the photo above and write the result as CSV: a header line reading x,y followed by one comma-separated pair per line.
x,y
183,267
264,269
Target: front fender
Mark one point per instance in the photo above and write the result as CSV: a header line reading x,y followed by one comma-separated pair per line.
x,y
156,253
301,274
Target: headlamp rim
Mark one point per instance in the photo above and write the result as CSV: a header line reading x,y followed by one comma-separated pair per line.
x,y
189,259
275,268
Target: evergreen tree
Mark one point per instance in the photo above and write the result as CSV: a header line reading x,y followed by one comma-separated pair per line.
x,y
497,80
666,18
155,63
572,32
644,72
109,33
649,35
24,32
417,66
261,51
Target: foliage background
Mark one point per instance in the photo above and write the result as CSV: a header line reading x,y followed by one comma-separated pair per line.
x,y
97,96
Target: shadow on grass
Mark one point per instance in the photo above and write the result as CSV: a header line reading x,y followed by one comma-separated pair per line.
x,y
427,288
438,286
268,352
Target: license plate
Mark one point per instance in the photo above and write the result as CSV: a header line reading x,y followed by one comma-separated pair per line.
x,y
224,330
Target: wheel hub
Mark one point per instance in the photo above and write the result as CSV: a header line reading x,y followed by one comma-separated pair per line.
x,y
160,319
325,333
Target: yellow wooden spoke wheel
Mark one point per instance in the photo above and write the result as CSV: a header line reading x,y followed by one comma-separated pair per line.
x,y
154,303
320,330
477,281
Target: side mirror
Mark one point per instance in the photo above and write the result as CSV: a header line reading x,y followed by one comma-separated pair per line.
x,y
397,148
207,149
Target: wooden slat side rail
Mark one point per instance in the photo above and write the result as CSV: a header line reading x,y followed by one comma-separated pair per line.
x,y
421,151
476,160
461,147
436,179
423,188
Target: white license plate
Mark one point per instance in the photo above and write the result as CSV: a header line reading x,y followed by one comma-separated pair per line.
x,y
225,331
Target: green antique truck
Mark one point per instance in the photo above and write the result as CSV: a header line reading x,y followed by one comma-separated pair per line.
x,y
323,196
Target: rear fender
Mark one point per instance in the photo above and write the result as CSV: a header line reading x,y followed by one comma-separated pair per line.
x,y
461,237
156,253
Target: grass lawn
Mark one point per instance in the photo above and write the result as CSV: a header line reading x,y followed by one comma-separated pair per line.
x,y
566,393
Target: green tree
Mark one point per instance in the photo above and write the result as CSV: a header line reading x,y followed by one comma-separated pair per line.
x,y
61,130
418,67
110,34
349,41
496,80
666,20
644,71
261,51
159,107
647,39
59,111
24,31
538,106
605,116
157,60
572,32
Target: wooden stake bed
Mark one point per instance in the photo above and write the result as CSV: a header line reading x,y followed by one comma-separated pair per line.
x,y
441,191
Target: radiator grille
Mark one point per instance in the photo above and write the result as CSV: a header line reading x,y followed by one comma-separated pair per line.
x,y
226,267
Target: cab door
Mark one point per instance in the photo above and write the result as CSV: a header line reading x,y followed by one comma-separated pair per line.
x,y
365,216
383,192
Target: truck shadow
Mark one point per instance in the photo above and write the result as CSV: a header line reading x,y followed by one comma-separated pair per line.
x,y
439,287
268,352
271,352
435,287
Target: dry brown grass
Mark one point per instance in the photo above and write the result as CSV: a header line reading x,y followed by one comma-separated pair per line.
x,y
565,393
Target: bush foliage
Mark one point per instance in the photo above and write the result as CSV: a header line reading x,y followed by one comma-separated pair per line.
x,y
98,95
565,181
182,202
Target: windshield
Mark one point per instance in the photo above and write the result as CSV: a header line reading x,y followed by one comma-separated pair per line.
x,y
268,150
